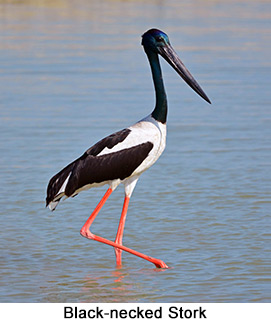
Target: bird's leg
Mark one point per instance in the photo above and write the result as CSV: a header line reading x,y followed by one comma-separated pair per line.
x,y
119,235
87,234
157,262
85,229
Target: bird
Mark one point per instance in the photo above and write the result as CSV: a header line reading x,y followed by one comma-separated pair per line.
x,y
123,156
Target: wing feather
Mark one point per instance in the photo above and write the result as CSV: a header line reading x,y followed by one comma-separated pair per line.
x,y
57,185
91,169
94,167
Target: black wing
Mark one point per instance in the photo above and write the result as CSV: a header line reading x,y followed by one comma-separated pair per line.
x,y
108,142
90,168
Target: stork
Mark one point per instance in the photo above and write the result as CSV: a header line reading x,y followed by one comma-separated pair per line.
x,y
124,155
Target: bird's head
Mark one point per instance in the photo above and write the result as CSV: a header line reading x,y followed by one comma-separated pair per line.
x,y
156,41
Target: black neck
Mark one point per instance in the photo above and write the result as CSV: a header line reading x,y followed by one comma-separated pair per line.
x,y
160,111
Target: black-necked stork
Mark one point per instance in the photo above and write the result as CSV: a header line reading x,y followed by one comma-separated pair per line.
x,y
123,156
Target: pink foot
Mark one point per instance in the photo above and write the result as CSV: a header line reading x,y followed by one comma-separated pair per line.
x,y
159,263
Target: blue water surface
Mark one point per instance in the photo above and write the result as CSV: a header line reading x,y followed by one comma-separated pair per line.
x,y
72,72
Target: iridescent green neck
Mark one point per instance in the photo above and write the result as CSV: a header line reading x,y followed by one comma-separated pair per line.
x,y
160,111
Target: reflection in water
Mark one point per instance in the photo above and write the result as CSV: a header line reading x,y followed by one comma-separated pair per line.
x,y
119,276
97,288
122,285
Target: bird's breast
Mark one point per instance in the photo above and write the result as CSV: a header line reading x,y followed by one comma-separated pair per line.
x,y
150,130
146,131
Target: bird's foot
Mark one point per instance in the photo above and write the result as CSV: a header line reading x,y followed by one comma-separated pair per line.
x,y
160,264
86,233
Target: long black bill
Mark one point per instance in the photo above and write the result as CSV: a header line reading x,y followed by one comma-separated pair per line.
x,y
168,53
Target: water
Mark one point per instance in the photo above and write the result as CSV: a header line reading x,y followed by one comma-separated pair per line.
x,y
72,72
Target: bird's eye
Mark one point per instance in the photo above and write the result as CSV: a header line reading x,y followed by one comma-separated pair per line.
x,y
159,38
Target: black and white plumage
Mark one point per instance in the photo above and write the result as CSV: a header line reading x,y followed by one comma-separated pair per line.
x,y
118,158
123,156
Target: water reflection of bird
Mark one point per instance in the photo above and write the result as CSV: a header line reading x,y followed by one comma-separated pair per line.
x,y
123,156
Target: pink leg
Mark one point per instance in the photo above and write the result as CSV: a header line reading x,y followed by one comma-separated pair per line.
x,y
119,235
87,234
85,229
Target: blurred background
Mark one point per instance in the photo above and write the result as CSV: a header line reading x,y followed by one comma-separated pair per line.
x,y
72,72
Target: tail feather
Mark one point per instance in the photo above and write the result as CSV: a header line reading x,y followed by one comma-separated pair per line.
x,y
57,185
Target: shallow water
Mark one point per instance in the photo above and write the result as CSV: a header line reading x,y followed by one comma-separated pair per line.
x,y
72,72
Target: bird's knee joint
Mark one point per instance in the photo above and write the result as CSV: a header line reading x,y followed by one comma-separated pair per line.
x,y
86,233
